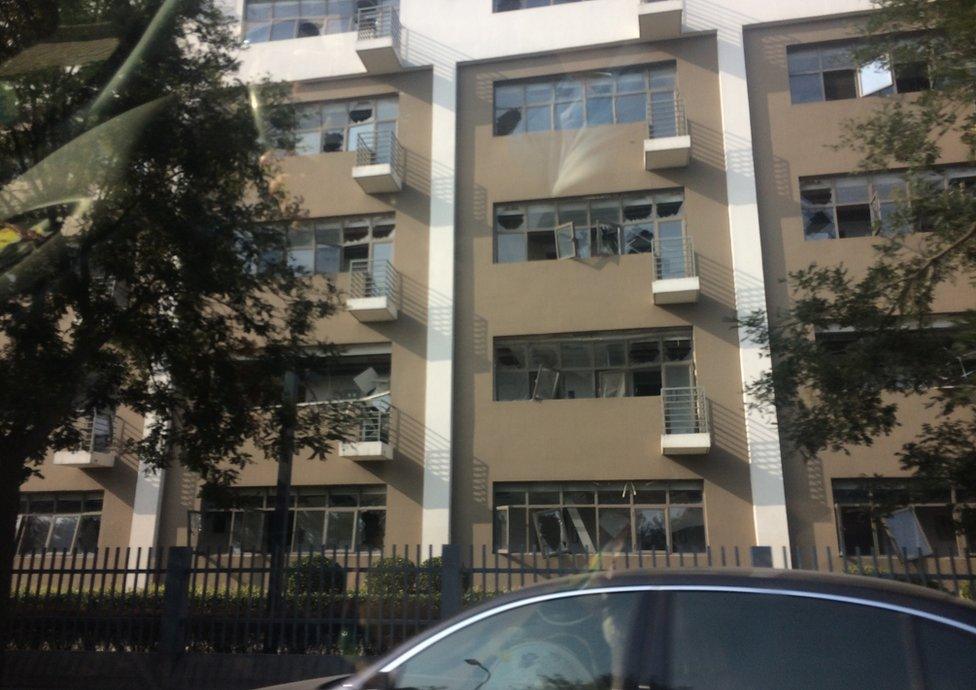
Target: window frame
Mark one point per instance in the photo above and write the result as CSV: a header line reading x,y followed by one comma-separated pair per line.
x,y
346,22
797,51
24,512
586,234
878,198
531,509
312,121
267,496
342,225
874,508
593,342
522,5
581,83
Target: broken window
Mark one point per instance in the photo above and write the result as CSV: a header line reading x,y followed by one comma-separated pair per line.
x,y
598,365
828,72
336,125
585,517
318,517
601,225
284,19
349,378
59,521
895,516
862,206
569,102
327,246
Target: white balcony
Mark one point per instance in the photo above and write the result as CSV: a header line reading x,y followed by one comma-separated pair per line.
x,y
101,439
668,144
659,19
371,440
686,425
675,275
374,291
379,165
378,39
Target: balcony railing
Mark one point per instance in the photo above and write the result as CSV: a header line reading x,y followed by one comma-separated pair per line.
x,y
375,148
378,22
373,279
674,258
665,115
101,432
685,411
373,425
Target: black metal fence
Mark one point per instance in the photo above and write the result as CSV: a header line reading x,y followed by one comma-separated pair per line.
x,y
340,602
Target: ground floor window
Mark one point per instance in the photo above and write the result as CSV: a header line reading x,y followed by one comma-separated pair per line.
x,y
339,518
62,521
892,516
579,517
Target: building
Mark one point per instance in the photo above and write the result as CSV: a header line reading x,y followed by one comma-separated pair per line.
x,y
545,214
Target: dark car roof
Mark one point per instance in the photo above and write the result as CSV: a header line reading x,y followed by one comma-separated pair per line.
x,y
875,589
870,589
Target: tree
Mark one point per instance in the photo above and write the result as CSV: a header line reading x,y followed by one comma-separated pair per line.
x,y
851,348
142,247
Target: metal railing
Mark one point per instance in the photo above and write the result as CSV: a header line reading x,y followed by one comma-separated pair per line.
x,y
373,148
674,258
371,278
343,600
685,411
102,432
378,22
373,425
666,115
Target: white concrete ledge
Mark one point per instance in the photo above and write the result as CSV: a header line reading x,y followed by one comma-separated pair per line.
x,y
676,290
380,178
372,309
379,55
366,450
686,444
660,19
82,458
667,152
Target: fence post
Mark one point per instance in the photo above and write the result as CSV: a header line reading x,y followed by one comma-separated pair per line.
x,y
172,628
450,580
762,556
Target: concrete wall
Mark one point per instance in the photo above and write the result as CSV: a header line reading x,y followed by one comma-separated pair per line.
x,y
598,439
794,142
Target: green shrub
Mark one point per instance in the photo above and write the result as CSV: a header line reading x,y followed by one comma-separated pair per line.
x,y
429,580
315,574
391,577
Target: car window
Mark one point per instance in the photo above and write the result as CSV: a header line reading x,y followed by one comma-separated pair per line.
x,y
573,642
742,641
948,656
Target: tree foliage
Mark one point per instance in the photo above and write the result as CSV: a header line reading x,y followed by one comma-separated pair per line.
x,y
139,263
857,351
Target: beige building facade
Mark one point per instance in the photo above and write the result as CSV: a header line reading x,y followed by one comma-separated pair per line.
x,y
544,222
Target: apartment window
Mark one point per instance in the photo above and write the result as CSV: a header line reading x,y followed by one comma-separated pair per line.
x,y
606,225
328,245
578,517
349,378
583,100
339,518
326,127
284,19
886,516
830,73
59,522
866,205
598,365
511,5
